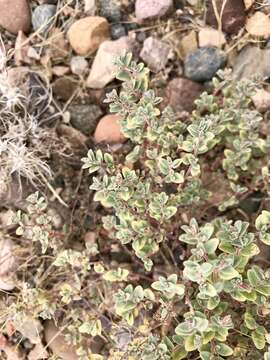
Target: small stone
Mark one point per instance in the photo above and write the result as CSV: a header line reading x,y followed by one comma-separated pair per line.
x,y
56,342
103,68
60,70
90,7
78,65
85,117
86,34
59,47
30,328
42,18
188,43
108,130
202,64
117,31
15,15
181,94
248,4
152,9
110,9
252,62
261,100
258,25
38,352
64,88
211,37
155,54
233,16
6,283
76,139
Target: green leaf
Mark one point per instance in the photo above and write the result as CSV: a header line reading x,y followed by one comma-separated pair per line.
x,y
179,353
224,350
262,220
228,273
250,322
258,338
211,245
263,289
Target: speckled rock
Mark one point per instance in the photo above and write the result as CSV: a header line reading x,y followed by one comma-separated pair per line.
x,y
86,34
15,15
42,17
111,10
155,53
202,64
233,18
151,9
181,94
78,65
108,130
118,31
85,117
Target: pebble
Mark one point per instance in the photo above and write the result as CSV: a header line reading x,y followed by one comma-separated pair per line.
x,y
211,37
57,343
248,4
108,130
78,65
117,31
152,9
258,25
261,100
42,18
233,18
155,53
252,62
59,47
90,7
64,88
86,35
203,63
76,139
85,117
15,15
103,68
188,43
181,94
111,10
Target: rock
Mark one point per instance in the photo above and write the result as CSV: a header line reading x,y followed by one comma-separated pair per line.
x,y
90,7
233,17
202,64
155,54
78,65
117,31
151,9
30,328
38,352
248,4
181,94
64,88
7,258
258,25
56,342
42,18
15,15
76,139
6,283
111,10
108,130
59,47
60,70
211,37
85,117
86,34
252,61
103,68
261,100
188,43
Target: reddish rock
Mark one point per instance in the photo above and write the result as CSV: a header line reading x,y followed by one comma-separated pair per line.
x,y
108,130
181,94
15,15
233,17
152,9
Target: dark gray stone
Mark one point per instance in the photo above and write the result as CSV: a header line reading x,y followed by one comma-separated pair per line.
x,y
203,63
85,117
111,10
117,31
43,15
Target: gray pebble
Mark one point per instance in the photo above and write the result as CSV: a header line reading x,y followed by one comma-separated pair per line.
x,y
85,117
42,15
111,10
202,64
117,31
